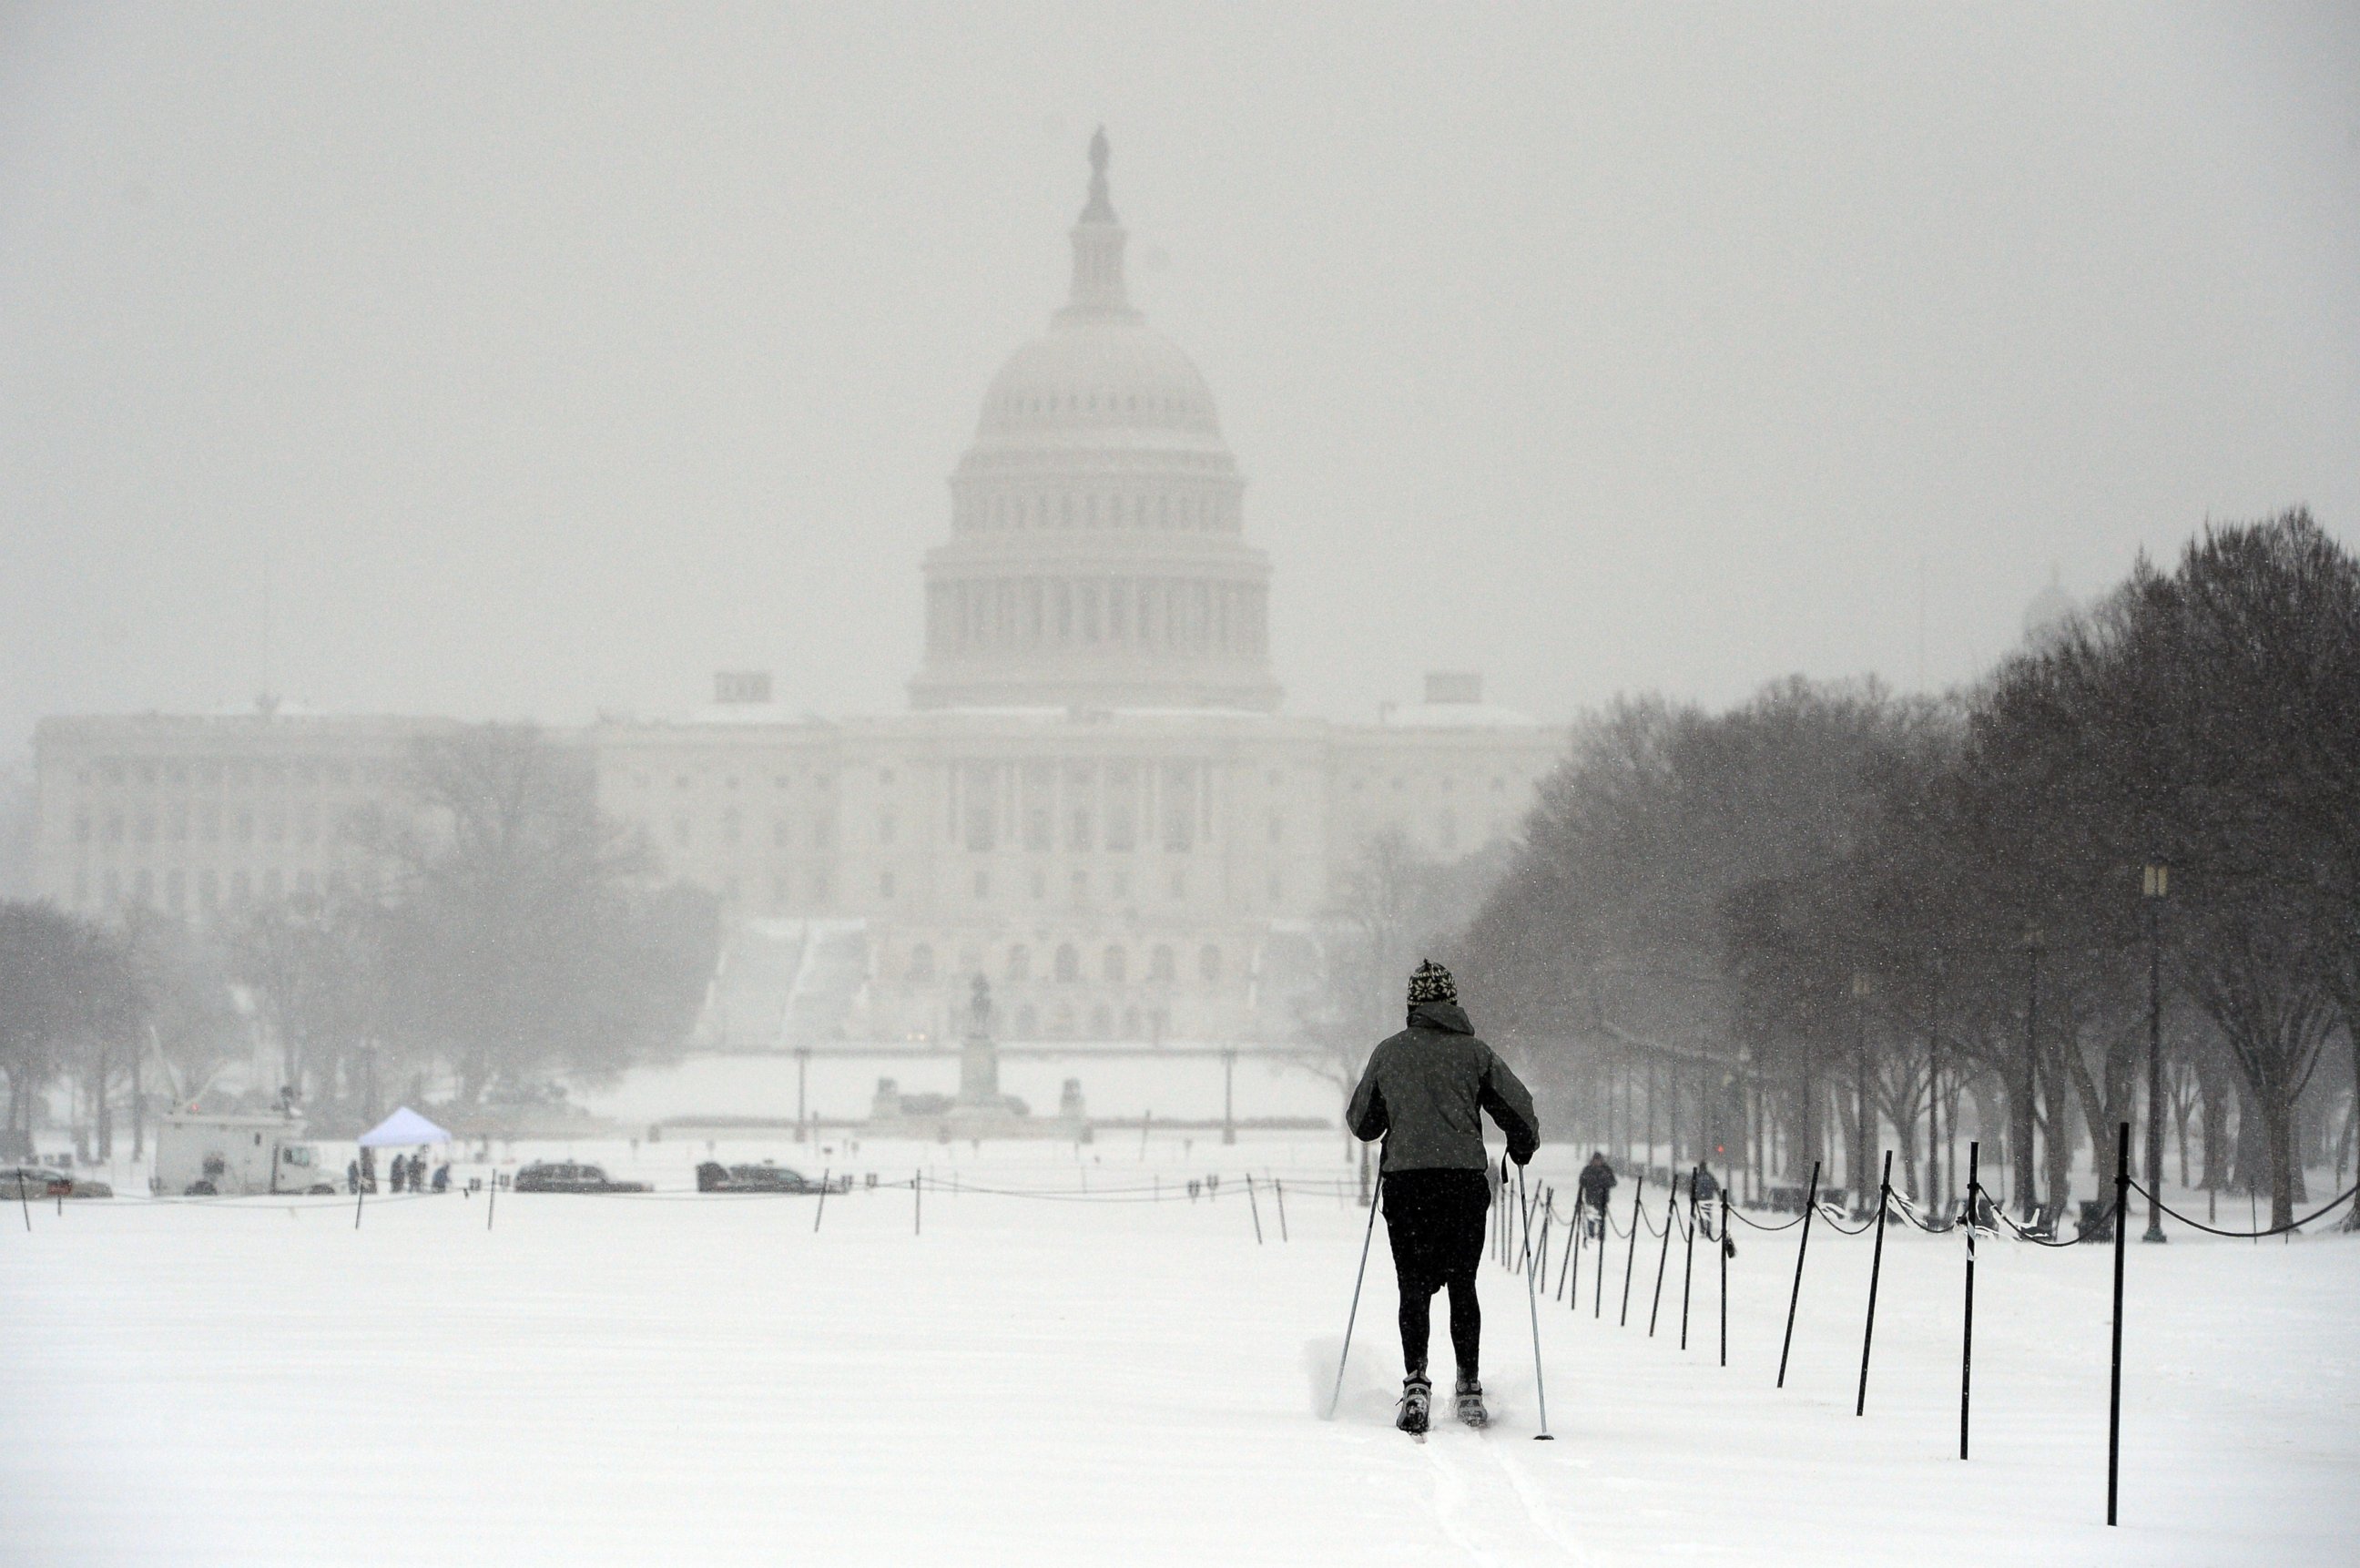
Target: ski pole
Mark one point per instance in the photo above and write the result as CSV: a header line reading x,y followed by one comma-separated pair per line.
x,y
820,1211
1354,1316
1532,1307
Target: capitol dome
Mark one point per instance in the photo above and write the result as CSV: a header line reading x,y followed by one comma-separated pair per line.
x,y
1098,378
1097,555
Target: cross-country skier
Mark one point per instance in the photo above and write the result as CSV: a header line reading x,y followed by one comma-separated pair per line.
x,y
1597,1180
1423,1093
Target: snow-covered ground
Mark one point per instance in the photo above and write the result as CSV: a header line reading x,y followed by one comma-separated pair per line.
x,y
703,1379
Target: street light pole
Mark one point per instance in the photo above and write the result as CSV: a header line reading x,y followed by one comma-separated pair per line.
x,y
1856,1161
2028,1123
2157,886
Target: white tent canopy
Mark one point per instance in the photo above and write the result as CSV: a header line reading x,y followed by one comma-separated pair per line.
x,y
403,1129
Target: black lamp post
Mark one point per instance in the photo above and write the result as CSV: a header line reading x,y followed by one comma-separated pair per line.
x,y
1858,1173
2156,887
2027,1118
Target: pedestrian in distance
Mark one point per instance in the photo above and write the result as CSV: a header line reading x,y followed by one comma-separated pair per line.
x,y
1707,1199
1595,1182
400,1171
352,1176
1426,1092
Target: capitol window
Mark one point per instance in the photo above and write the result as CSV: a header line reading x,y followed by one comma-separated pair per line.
x,y
1116,966
1159,963
1020,962
1069,963
921,964
1209,964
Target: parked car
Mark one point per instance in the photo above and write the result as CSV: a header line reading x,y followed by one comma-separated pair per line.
x,y
563,1175
715,1176
20,1181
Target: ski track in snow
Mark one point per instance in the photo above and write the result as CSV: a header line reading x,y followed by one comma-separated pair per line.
x,y
706,1381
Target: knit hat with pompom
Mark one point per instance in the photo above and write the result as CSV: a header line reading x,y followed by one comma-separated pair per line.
x,y
1431,982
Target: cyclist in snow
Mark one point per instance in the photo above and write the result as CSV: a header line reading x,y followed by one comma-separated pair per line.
x,y
1425,1092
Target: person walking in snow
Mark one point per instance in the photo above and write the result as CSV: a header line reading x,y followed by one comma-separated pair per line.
x,y
1596,1182
1425,1092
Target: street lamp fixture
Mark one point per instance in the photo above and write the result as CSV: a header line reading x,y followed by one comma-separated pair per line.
x,y
2155,887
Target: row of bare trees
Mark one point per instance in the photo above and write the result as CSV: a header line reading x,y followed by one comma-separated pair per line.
x,y
504,933
1868,910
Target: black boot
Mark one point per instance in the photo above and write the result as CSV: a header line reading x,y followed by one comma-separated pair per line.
x,y
1470,1403
1416,1403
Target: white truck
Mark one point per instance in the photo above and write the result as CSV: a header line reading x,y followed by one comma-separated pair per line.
x,y
199,1154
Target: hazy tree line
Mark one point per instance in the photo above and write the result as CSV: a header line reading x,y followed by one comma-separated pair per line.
x,y
1833,921
505,933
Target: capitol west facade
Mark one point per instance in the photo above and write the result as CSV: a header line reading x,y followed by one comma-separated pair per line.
x,y
1094,799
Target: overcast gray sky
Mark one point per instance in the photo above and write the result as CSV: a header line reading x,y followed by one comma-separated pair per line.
x,y
550,357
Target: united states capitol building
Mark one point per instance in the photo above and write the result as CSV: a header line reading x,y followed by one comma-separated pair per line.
x,y
1095,798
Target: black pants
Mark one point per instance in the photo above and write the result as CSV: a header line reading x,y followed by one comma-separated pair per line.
x,y
1435,1220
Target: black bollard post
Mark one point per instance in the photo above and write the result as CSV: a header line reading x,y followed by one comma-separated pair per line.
x,y
820,1212
1726,1244
1876,1267
26,1204
1572,1258
1598,1291
1688,1269
918,1200
2114,1393
360,1196
491,1200
1255,1206
1972,1212
1664,1254
1811,1206
1638,1185
1279,1187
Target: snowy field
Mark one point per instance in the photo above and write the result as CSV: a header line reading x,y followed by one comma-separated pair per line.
x,y
703,1379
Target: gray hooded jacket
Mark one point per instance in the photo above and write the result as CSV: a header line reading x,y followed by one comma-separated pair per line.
x,y
1425,1092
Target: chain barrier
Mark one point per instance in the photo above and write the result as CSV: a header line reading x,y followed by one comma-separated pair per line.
x,y
1741,1216
2247,1236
